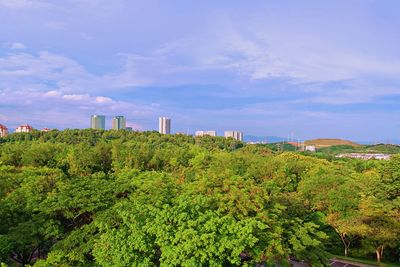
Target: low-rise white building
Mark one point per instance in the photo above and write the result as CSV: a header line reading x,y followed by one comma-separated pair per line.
x,y
24,128
310,148
3,131
364,156
205,133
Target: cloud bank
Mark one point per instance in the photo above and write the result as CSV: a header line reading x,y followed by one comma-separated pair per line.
x,y
266,68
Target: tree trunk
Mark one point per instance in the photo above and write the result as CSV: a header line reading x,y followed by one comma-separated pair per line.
x,y
30,257
379,253
345,243
378,256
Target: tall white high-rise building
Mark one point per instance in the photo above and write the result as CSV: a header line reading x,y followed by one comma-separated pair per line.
x,y
205,133
164,125
98,122
119,123
234,134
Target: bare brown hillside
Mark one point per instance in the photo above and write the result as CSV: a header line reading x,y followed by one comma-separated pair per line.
x,y
319,143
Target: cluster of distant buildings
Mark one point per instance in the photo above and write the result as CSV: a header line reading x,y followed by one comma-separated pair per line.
x,y
364,156
99,122
164,126
24,128
119,123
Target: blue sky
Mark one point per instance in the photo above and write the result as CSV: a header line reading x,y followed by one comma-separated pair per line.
x,y
312,68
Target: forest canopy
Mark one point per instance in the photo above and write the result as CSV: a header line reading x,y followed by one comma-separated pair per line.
x,y
119,198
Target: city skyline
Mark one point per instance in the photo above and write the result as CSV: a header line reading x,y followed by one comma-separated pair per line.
x,y
319,70
164,127
99,122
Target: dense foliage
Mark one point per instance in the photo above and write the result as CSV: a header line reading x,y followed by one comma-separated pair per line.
x,y
108,198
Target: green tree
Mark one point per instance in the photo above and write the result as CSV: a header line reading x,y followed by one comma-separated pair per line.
x,y
380,207
25,230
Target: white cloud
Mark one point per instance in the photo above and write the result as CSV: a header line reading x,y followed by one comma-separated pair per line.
x,y
76,97
261,56
56,25
102,100
52,93
17,70
19,4
65,110
17,46
57,75
263,51
35,87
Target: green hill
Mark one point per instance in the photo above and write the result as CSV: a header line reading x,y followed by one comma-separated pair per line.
x,y
383,148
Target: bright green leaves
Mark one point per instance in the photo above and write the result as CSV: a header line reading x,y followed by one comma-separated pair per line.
x,y
211,222
25,229
78,198
118,198
190,234
307,241
179,231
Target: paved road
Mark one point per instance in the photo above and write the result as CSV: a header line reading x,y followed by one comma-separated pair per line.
x,y
298,264
343,263
334,263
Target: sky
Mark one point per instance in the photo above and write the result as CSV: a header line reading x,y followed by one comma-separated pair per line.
x,y
307,68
